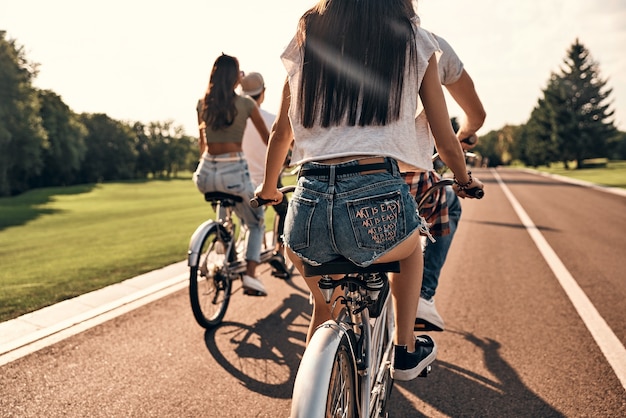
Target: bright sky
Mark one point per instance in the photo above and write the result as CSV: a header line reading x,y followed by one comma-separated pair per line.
x,y
149,60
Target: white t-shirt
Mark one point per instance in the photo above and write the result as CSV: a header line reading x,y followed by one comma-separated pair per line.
x,y
449,64
254,148
450,69
410,144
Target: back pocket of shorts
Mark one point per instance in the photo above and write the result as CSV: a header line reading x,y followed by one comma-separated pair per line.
x,y
298,222
378,221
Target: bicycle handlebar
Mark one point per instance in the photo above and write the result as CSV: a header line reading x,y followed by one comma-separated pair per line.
x,y
475,192
256,201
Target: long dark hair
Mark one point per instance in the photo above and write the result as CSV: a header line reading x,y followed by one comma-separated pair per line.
x,y
219,109
355,55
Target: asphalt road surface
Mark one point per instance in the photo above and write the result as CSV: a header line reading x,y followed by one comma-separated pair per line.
x,y
532,295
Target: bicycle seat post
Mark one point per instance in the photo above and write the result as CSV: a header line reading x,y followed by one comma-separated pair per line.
x,y
373,284
327,287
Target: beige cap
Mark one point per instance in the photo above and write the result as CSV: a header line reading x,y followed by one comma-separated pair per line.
x,y
252,84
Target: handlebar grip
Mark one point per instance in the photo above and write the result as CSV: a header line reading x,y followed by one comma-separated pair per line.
x,y
470,140
475,192
256,201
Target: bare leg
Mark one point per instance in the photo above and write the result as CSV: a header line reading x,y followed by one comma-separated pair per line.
x,y
321,310
251,268
405,292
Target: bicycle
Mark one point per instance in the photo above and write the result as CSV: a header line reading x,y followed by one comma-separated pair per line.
x,y
346,369
216,259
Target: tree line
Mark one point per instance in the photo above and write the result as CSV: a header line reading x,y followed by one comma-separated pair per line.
x,y
571,122
43,143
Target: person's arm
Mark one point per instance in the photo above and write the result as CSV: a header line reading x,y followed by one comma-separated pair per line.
x,y
259,124
464,93
202,144
280,140
447,143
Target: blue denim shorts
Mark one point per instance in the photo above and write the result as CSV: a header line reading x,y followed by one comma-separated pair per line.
x,y
358,216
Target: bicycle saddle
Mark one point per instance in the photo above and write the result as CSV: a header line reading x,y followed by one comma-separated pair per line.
x,y
344,266
221,196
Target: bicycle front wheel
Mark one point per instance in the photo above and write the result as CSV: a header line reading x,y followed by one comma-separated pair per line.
x,y
209,282
342,388
326,384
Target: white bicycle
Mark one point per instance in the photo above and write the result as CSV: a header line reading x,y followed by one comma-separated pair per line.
x,y
345,370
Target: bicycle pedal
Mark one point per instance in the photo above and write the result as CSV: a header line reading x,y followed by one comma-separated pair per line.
x,y
281,275
425,372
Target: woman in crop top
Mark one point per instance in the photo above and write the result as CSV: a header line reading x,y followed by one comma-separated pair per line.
x,y
222,117
356,71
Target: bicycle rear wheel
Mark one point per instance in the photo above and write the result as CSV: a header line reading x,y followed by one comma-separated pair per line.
x,y
209,282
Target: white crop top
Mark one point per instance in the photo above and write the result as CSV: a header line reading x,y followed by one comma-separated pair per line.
x,y
405,139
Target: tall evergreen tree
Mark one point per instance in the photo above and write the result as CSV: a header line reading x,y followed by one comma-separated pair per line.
x,y
573,120
579,97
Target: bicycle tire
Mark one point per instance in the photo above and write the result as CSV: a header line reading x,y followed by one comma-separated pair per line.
x,y
327,359
209,282
342,387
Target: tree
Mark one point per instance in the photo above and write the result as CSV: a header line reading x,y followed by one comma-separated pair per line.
x,y
497,147
617,147
110,152
22,136
163,149
574,115
143,150
66,142
535,144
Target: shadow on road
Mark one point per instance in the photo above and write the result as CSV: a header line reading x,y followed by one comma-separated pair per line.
x,y
455,391
264,356
511,225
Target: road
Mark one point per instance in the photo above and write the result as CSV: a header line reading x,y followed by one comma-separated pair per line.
x,y
532,294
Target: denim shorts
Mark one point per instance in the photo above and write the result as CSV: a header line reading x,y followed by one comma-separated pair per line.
x,y
223,173
357,216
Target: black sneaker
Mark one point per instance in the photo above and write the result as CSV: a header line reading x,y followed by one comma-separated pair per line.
x,y
407,366
279,266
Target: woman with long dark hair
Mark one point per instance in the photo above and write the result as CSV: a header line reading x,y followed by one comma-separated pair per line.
x,y
222,117
356,71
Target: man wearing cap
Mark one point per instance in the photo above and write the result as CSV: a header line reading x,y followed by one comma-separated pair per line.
x,y
254,147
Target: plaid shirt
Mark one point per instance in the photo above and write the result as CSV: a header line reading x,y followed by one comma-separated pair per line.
x,y
435,209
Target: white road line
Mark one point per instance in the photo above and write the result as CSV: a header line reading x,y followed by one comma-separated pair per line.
x,y
609,344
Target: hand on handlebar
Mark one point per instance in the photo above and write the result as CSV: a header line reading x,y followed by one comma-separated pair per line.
x,y
266,196
475,190
469,142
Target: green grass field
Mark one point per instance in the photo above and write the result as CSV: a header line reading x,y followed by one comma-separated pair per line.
x,y
613,175
57,243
